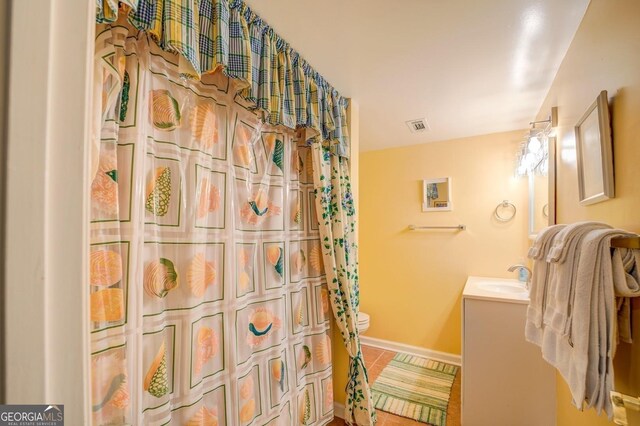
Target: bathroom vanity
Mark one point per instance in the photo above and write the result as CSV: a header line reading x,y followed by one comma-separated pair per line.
x,y
505,381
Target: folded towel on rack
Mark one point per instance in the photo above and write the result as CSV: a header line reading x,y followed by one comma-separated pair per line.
x,y
539,279
626,273
626,283
565,254
544,241
589,371
573,314
561,245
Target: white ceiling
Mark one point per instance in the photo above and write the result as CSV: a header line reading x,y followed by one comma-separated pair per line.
x,y
470,67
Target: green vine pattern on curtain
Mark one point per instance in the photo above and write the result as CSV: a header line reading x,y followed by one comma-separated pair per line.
x,y
226,35
336,217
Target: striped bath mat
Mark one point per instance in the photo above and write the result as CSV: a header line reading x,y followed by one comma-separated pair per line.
x,y
415,387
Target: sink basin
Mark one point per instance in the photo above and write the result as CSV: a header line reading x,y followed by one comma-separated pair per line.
x,y
502,287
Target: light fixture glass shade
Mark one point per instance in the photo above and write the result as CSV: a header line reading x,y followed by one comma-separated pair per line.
x,y
529,160
534,145
522,170
533,154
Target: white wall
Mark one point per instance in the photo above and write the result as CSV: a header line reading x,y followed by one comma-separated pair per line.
x,y
46,324
4,40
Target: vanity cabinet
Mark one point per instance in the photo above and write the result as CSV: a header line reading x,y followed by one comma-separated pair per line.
x,y
505,381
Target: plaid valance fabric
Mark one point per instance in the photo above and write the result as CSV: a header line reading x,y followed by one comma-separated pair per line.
x,y
227,36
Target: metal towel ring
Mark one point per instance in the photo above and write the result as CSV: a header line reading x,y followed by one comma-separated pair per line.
x,y
505,204
545,210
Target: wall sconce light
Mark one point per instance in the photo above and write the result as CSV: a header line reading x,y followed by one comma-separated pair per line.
x,y
534,150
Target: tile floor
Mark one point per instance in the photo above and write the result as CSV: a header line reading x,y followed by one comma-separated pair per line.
x,y
375,360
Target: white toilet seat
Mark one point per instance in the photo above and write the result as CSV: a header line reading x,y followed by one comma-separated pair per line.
x,y
363,322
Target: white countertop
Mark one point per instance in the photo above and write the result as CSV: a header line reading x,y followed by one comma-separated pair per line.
x,y
489,288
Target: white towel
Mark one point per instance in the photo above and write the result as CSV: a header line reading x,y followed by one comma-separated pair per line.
x,y
565,254
544,241
561,245
626,283
535,311
589,373
626,279
584,278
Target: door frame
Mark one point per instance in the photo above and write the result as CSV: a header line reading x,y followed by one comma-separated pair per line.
x,y
46,243
4,64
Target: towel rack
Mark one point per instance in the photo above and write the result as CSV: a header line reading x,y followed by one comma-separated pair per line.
x,y
506,204
623,400
626,242
458,227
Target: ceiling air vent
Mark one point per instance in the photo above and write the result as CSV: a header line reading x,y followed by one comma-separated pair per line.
x,y
418,125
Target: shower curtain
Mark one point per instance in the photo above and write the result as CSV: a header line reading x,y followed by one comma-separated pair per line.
x,y
209,303
334,202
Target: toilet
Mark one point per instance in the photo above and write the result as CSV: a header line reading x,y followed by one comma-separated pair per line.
x,y
363,322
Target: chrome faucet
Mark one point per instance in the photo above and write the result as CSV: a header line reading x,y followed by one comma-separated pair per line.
x,y
518,267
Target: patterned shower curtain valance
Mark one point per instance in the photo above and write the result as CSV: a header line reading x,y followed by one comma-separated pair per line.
x,y
227,36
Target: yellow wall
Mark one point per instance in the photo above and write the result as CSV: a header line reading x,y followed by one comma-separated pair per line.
x,y
604,55
411,281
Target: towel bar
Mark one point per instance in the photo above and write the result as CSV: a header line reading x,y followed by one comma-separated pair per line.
x,y
626,242
458,227
623,400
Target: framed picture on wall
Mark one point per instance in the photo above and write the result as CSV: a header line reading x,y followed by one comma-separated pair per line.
x,y
436,194
595,153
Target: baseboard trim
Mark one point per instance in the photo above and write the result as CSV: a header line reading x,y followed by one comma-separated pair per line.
x,y
413,350
338,410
